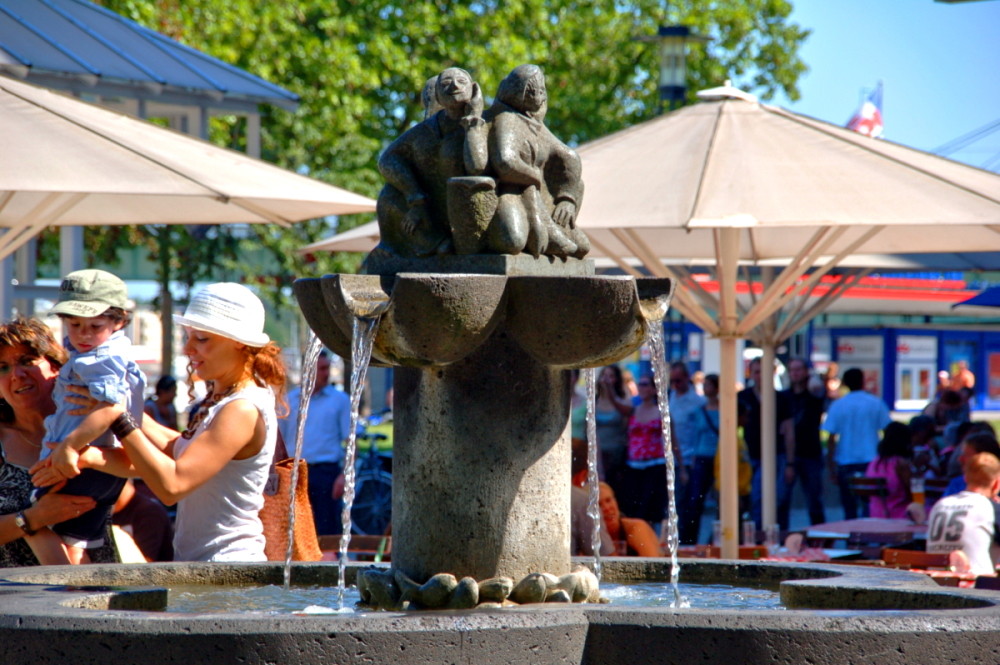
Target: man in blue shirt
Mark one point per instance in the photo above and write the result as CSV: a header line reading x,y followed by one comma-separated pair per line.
x,y
854,424
685,407
328,424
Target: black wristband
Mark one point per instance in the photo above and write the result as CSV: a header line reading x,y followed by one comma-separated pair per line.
x,y
21,520
123,425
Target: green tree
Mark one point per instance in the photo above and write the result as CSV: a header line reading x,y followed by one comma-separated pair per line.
x,y
359,65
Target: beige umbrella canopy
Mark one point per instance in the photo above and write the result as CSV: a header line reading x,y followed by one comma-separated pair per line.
x,y
731,181
359,239
736,163
68,163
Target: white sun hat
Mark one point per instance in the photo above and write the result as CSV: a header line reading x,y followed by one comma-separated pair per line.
x,y
228,309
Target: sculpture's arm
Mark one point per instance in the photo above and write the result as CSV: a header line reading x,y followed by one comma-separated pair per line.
x,y
562,176
476,145
476,153
506,141
395,167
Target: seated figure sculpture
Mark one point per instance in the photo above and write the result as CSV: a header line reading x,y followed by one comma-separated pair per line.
x,y
412,206
537,176
468,183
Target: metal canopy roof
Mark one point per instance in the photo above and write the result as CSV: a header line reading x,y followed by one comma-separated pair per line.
x,y
78,46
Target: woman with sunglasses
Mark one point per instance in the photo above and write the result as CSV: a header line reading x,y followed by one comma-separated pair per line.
x,y
30,359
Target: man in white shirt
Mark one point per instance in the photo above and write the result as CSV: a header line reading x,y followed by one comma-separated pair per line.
x,y
328,424
965,521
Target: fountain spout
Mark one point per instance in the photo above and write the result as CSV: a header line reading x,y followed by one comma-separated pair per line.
x,y
362,297
655,296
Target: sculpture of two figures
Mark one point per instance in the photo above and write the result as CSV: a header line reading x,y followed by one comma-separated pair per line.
x,y
467,182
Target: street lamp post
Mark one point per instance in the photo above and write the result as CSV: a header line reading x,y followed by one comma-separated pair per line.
x,y
672,42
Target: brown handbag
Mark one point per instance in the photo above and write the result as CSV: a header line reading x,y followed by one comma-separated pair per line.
x,y
275,514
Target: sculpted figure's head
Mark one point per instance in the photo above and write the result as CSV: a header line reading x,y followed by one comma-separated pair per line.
x,y
524,89
454,90
428,97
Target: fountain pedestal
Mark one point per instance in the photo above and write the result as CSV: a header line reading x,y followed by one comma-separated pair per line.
x,y
481,399
481,461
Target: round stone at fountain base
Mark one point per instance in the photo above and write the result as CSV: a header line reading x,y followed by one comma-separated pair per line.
x,y
385,589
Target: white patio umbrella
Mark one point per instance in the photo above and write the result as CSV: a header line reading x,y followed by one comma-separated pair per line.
x,y
359,239
67,162
732,181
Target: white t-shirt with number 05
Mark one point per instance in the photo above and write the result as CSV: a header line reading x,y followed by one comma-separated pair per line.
x,y
964,521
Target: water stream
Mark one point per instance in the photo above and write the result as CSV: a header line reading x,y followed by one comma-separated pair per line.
x,y
593,507
661,377
362,338
309,362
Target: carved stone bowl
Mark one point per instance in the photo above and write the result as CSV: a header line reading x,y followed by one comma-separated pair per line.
x,y
430,319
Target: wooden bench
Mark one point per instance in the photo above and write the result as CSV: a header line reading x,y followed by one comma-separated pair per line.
x,y
865,487
360,548
871,543
898,558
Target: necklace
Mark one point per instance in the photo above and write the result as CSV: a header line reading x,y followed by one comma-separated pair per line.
x,y
25,439
201,411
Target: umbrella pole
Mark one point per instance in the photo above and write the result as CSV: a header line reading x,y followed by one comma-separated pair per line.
x,y
727,260
729,497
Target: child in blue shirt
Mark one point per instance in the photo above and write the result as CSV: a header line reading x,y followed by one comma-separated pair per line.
x,y
92,305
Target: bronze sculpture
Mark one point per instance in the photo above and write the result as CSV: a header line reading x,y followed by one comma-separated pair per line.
x,y
464,182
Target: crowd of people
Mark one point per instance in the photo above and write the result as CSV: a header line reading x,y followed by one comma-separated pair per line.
x,y
827,427
84,450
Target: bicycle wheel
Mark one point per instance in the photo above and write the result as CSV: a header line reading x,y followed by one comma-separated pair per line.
x,y
372,509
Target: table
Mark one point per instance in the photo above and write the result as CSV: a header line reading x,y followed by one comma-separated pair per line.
x,y
763,553
844,528
811,554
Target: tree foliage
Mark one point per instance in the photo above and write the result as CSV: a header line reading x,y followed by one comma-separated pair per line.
x,y
359,66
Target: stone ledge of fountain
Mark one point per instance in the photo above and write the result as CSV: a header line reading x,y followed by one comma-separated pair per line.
x,y
43,619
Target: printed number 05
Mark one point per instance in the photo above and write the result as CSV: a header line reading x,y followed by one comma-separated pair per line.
x,y
952,528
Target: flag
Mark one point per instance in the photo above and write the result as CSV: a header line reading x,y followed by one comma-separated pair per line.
x,y
868,119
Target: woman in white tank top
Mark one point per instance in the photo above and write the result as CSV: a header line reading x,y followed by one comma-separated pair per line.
x,y
216,469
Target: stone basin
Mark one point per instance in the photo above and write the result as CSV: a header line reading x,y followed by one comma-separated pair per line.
x,y
433,319
838,615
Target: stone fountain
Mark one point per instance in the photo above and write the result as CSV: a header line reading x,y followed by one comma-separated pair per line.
x,y
484,299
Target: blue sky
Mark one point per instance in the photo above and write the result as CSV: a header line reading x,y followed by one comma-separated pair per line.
x,y
939,63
